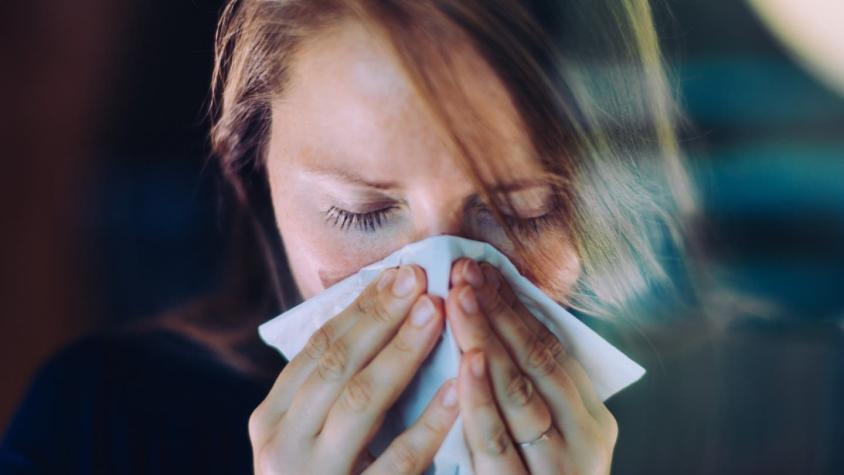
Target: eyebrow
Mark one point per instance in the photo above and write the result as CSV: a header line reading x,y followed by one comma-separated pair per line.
x,y
353,178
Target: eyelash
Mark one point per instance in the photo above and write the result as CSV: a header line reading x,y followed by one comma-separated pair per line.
x,y
370,222
366,222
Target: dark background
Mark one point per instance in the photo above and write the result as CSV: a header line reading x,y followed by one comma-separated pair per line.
x,y
110,215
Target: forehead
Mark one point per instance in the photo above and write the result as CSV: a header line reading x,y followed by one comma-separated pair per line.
x,y
349,100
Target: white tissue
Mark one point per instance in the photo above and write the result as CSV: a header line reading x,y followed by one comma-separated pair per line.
x,y
609,369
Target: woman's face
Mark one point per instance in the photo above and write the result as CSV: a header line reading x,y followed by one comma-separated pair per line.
x,y
358,167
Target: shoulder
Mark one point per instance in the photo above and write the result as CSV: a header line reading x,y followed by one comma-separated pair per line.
x,y
129,366
111,403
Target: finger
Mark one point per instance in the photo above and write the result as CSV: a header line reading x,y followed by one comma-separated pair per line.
x,y
474,273
521,341
295,372
485,431
361,405
378,312
523,410
414,450
555,386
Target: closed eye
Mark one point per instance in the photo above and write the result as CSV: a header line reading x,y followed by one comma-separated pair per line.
x,y
372,221
367,222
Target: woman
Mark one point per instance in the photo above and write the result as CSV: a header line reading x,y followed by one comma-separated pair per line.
x,y
381,123
349,128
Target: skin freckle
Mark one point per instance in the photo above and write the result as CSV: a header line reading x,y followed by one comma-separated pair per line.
x,y
356,173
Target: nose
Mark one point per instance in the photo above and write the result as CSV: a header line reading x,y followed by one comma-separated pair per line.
x,y
439,217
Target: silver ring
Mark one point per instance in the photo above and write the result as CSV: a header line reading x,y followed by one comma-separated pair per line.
x,y
540,438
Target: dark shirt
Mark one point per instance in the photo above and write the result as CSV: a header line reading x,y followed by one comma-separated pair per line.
x,y
152,403
759,401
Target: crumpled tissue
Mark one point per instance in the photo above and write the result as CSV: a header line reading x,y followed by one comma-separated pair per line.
x,y
609,369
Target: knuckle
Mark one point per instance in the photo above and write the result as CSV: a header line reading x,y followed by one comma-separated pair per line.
x,y
333,362
491,275
268,459
534,348
539,358
554,346
379,312
403,458
603,458
357,395
612,426
481,335
255,424
496,304
506,293
403,342
435,426
318,343
496,440
363,304
519,390
484,400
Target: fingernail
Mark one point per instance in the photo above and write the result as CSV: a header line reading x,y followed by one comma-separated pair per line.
x,y
422,312
473,275
490,275
386,278
478,365
449,397
405,281
468,301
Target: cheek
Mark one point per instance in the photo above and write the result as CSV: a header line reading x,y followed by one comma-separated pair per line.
x,y
314,262
319,256
552,265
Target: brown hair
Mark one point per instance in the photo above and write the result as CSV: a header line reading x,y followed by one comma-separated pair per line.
x,y
586,77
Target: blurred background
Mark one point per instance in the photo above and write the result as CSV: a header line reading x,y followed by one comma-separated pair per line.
x,y
109,214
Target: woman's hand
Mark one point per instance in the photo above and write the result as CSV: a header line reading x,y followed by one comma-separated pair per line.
x,y
331,398
527,406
